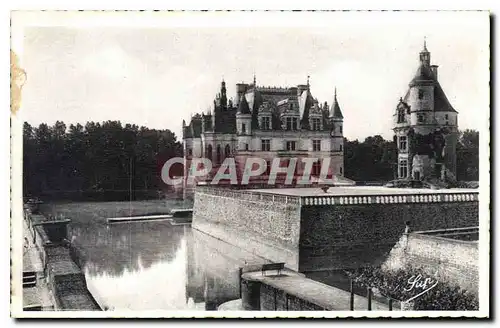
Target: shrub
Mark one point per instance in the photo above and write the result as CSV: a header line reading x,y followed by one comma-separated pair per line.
x,y
395,285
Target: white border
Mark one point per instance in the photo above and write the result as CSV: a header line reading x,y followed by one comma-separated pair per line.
x,y
17,169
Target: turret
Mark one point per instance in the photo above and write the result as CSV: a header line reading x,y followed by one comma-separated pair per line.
x,y
336,120
425,126
243,117
244,124
425,56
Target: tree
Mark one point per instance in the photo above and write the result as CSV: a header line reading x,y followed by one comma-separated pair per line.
x,y
98,158
371,160
468,155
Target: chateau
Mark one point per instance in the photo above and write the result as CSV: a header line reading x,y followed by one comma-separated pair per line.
x,y
425,127
267,123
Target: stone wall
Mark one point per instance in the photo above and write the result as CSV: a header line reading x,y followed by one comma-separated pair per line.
x,y
257,296
349,236
261,224
272,299
453,261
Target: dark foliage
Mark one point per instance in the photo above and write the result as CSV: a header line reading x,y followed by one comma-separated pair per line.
x,y
375,159
395,285
371,160
94,159
468,156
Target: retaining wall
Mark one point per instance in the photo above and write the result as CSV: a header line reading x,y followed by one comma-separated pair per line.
x,y
453,261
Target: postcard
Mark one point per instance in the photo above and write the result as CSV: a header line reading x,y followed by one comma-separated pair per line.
x,y
247,164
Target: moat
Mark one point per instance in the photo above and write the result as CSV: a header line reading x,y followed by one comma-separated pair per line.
x,y
153,265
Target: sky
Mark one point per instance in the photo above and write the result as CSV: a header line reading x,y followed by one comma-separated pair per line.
x,y
158,69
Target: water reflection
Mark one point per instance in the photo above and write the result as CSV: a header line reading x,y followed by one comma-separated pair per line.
x,y
154,265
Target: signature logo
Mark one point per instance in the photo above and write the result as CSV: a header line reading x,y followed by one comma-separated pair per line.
x,y
418,283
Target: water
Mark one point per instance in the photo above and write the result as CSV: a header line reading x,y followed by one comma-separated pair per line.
x,y
158,266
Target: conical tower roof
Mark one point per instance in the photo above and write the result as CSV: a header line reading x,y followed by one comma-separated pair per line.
x,y
335,111
243,107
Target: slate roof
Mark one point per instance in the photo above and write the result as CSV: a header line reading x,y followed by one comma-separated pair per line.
x,y
335,111
243,107
425,76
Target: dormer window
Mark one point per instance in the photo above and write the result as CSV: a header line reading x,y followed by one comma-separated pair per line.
x,y
291,123
315,124
401,116
265,123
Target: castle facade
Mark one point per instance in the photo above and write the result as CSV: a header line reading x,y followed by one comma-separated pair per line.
x,y
267,123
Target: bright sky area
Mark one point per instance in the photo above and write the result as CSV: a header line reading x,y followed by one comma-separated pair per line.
x,y
157,69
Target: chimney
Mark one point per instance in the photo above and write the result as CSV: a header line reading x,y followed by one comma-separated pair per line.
x,y
434,69
240,90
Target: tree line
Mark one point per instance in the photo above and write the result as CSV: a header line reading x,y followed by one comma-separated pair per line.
x,y
97,157
110,156
375,159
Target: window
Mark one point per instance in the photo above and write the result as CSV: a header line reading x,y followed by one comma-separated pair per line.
x,y
403,168
316,169
401,116
268,167
340,148
291,123
266,123
403,144
446,118
341,170
316,145
420,94
316,124
246,146
209,152
219,154
243,128
420,118
190,152
290,145
227,151
266,145
340,129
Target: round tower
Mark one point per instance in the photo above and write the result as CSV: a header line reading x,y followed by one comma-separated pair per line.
x,y
336,122
425,127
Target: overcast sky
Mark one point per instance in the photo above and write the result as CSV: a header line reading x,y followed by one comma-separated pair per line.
x,y
160,70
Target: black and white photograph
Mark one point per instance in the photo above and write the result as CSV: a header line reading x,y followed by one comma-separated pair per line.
x,y
250,164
